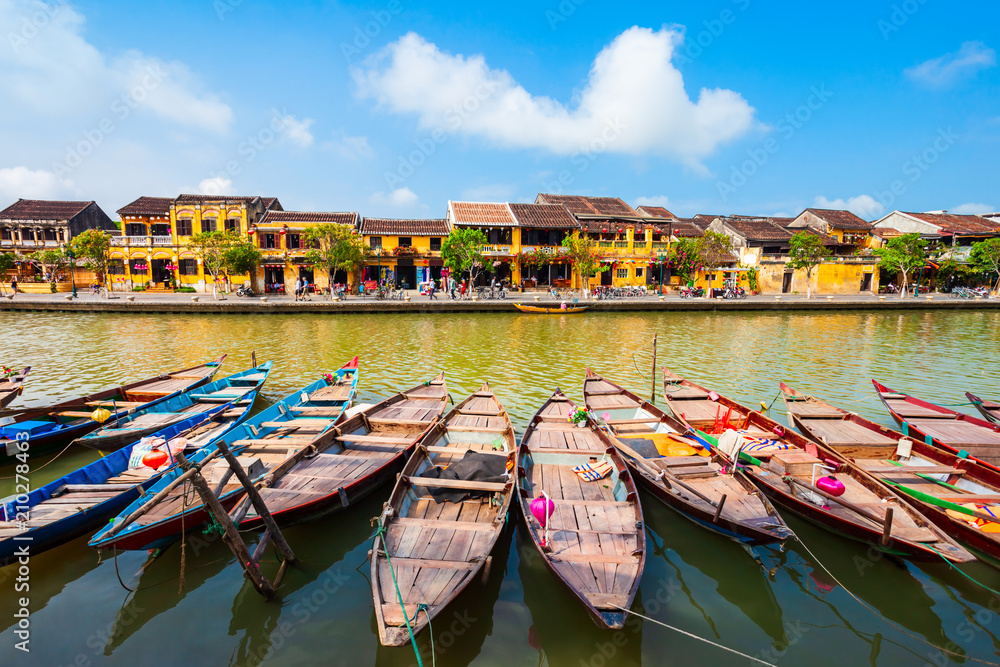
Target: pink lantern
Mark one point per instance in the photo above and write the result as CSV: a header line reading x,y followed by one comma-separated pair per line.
x,y
542,508
831,485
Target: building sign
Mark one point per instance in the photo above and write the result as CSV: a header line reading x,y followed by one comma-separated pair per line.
x,y
868,268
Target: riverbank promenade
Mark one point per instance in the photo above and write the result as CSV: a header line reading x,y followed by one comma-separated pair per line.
x,y
165,302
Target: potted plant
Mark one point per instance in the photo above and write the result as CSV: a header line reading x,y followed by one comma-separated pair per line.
x,y
579,417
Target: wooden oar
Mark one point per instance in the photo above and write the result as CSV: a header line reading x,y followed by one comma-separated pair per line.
x,y
943,504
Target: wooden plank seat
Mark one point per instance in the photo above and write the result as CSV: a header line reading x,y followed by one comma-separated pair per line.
x,y
460,484
595,558
119,404
282,443
843,432
386,439
676,391
978,498
405,522
439,564
476,429
813,410
300,424
479,413
460,448
907,409
637,420
956,432
401,422
927,470
319,411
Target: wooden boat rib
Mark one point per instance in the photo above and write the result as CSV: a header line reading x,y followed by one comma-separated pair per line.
x,y
143,421
746,515
787,476
77,503
352,459
12,386
52,428
596,545
545,310
988,409
940,479
936,424
438,548
169,509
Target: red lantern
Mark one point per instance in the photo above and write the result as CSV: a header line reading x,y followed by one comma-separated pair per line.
x,y
155,458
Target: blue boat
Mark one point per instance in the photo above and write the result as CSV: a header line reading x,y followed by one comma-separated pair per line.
x,y
39,431
85,499
147,525
116,433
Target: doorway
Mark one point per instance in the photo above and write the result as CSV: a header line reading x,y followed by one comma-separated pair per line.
x,y
786,282
866,282
274,280
160,272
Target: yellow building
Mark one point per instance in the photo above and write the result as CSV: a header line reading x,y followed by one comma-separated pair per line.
x,y
154,248
404,253
281,237
851,232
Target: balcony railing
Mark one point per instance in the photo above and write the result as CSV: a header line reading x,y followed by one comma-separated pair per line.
x,y
621,244
549,249
163,240
660,245
605,244
495,250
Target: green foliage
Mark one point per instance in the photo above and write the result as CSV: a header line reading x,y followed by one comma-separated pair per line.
x,y
807,252
94,247
582,253
753,278
462,251
985,258
185,290
213,249
7,262
336,248
241,258
51,260
686,258
905,254
715,249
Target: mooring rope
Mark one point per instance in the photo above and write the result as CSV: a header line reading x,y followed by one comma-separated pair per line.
x,y
875,611
34,470
967,576
694,636
380,532
130,590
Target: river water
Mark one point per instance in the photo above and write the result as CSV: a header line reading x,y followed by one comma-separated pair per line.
x,y
788,612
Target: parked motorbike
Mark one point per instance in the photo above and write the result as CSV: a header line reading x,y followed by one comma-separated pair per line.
x,y
244,291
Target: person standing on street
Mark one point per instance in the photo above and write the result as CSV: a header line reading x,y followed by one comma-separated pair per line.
x,y
298,288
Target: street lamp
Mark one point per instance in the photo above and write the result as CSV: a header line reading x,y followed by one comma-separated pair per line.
x,y
72,267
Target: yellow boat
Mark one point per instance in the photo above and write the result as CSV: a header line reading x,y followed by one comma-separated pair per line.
x,y
550,311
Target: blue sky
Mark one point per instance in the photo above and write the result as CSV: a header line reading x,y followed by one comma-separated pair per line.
x,y
393,108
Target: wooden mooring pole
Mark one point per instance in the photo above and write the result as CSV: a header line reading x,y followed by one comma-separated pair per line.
x,y
652,380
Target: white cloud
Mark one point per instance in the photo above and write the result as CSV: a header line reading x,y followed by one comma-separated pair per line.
x,y
950,68
47,68
972,209
399,198
633,102
217,185
863,206
21,182
658,200
296,131
348,147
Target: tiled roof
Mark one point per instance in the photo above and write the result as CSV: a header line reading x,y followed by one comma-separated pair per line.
x,y
683,230
758,229
548,216
40,209
290,217
839,219
885,232
580,205
959,224
198,199
654,212
482,213
147,206
394,227
706,217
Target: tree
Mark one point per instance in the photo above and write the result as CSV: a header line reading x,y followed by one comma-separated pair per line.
x,y
582,254
905,254
8,261
462,251
985,258
213,248
337,248
686,259
241,258
94,247
50,260
716,250
807,252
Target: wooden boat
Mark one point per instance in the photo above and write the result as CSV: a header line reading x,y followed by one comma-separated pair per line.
x,y
143,421
595,543
988,409
689,479
434,547
955,431
952,492
45,430
12,386
785,466
170,508
545,310
77,503
326,470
